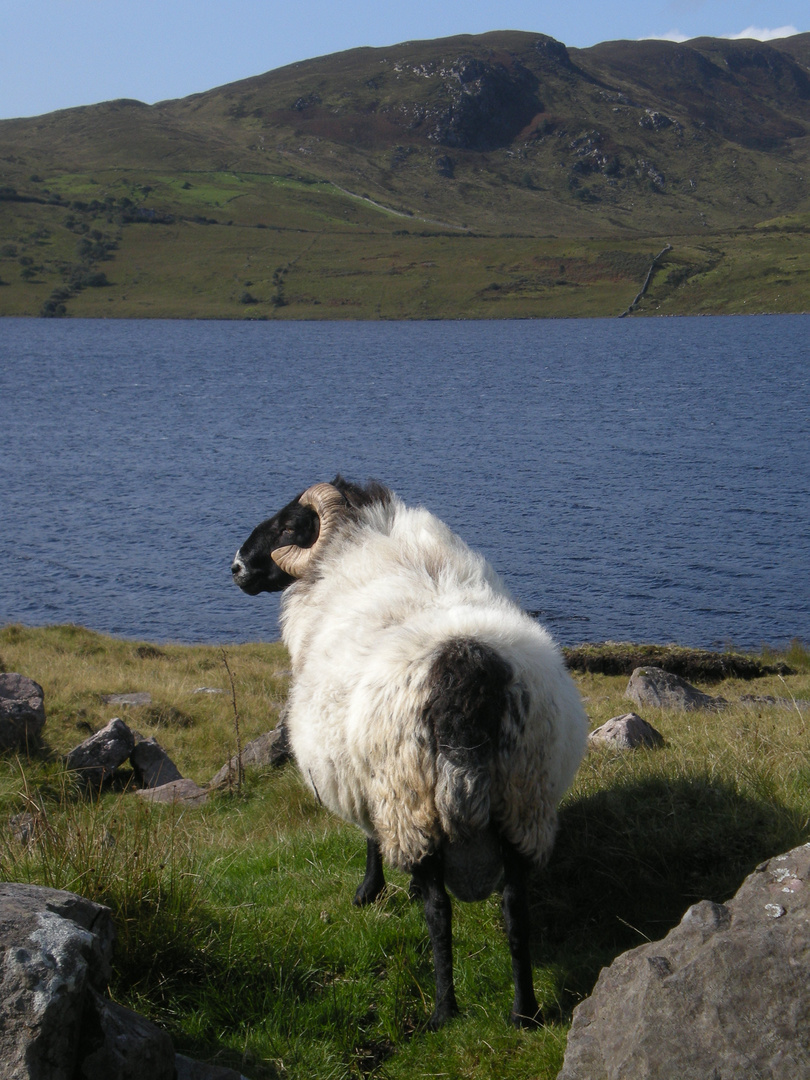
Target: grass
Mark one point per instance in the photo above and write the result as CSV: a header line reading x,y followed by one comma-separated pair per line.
x,y
232,236
338,258
236,929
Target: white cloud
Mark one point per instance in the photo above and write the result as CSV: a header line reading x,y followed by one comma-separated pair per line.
x,y
760,34
671,35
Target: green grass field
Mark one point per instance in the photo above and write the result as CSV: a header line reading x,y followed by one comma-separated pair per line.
x,y
267,246
236,929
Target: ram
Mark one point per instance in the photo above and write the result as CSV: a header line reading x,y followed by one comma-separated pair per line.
x,y
425,706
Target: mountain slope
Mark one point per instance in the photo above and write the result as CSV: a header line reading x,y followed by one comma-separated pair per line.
x,y
503,134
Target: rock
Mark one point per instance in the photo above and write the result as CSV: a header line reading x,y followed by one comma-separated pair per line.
x,y
654,687
724,996
768,700
23,827
208,690
55,1022
55,946
141,697
153,766
184,791
626,732
199,1070
118,1044
22,711
98,758
272,748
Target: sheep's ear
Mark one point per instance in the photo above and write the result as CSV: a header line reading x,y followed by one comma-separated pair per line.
x,y
299,528
327,505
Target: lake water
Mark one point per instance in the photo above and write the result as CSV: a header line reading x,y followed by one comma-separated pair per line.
x,y
631,479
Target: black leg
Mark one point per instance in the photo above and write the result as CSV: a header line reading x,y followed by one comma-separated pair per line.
x,y
429,878
373,883
525,1010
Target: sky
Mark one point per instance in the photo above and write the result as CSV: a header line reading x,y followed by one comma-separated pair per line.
x,y
57,54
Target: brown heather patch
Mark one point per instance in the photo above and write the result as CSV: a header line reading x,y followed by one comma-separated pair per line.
x,y
702,665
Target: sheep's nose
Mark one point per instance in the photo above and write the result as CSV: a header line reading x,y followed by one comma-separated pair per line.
x,y
237,567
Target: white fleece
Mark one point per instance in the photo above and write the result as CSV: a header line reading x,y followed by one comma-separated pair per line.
x,y
363,626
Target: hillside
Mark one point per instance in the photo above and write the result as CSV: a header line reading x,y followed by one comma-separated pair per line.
x,y
500,175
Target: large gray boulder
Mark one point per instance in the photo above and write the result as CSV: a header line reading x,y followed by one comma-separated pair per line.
x,y
22,711
724,996
55,1021
97,759
652,686
54,947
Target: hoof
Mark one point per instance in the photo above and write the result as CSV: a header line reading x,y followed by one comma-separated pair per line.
x,y
365,895
442,1014
527,1019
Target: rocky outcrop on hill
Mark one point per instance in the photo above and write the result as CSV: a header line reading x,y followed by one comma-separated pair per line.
x,y
489,104
724,996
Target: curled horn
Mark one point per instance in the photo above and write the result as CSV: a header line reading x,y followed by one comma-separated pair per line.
x,y
328,504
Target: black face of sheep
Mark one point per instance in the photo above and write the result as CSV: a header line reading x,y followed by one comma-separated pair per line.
x,y
488,734
253,569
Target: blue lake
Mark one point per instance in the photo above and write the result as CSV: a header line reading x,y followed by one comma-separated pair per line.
x,y
630,479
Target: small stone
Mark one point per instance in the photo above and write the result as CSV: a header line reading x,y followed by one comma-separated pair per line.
x,y
22,711
178,791
23,827
141,697
626,733
153,766
272,748
97,759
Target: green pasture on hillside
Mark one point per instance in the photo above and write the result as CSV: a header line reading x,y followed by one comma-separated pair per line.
x,y
224,245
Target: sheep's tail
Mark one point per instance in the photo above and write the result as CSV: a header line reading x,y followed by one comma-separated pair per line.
x,y
469,695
